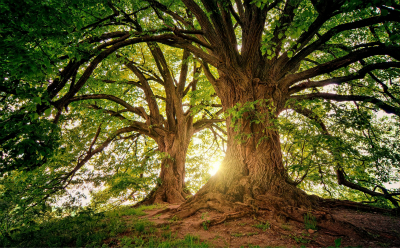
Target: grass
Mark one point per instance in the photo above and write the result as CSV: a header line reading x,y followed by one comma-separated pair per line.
x,y
252,234
310,222
86,228
237,234
166,227
206,222
300,238
263,226
286,227
166,241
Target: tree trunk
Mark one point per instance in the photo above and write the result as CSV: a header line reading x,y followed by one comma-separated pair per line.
x,y
252,173
171,188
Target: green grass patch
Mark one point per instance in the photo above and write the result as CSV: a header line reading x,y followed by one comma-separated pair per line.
x,y
166,241
263,226
85,228
310,222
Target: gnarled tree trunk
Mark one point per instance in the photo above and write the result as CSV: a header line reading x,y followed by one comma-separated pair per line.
x,y
252,173
171,188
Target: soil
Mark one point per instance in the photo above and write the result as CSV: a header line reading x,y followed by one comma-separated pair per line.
x,y
352,227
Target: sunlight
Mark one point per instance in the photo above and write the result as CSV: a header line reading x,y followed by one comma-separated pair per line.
x,y
214,166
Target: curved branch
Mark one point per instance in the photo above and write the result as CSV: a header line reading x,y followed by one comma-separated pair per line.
x,y
328,35
343,181
168,38
346,98
137,110
205,123
149,95
98,149
312,116
111,112
339,172
165,9
339,80
341,62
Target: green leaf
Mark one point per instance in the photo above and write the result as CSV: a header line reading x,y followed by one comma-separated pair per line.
x,y
47,112
37,100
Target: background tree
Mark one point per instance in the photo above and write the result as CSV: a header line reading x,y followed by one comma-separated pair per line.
x,y
67,50
152,103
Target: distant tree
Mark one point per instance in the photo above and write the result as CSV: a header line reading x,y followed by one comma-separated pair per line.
x,y
68,70
155,104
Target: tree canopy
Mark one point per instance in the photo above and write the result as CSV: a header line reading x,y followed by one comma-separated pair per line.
x,y
310,90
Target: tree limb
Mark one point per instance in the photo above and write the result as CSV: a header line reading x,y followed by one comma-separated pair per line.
x,y
339,80
345,98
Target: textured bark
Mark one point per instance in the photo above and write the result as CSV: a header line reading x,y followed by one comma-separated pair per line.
x,y
171,188
252,174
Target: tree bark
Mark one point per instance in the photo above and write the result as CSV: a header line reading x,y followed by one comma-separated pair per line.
x,y
171,188
252,173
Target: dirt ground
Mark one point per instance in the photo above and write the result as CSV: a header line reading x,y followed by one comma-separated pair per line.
x,y
348,227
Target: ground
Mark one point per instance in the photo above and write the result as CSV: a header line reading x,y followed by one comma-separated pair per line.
x,y
334,227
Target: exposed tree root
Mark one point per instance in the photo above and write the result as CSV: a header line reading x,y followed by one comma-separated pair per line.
x,y
162,195
228,216
283,199
281,209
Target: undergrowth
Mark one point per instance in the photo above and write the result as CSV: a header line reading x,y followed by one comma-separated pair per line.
x,y
85,228
161,242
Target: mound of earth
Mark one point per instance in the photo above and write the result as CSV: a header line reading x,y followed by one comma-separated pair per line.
x,y
333,227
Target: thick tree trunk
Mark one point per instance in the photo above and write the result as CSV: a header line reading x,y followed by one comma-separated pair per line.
x,y
252,173
171,188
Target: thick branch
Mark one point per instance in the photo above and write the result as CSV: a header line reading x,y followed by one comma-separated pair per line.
x,y
346,98
137,110
328,35
343,181
341,62
99,58
339,80
149,95
339,172
205,123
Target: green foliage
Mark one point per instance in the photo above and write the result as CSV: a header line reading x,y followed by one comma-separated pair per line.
x,y
27,141
338,242
248,111
263,226
359,142
300,238
286,227
82,227
166,241
206,222
42,162
310,222
260,112
238,235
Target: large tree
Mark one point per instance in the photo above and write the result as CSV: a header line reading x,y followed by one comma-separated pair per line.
x,y
274,55
157,106
262,57
68,70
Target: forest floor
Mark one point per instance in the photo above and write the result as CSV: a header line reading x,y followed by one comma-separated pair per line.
x,y
343,228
